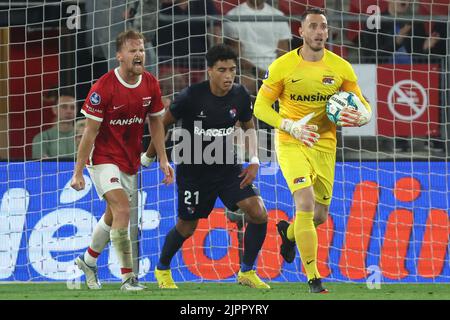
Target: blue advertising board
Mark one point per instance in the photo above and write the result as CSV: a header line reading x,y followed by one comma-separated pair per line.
x,y
45,225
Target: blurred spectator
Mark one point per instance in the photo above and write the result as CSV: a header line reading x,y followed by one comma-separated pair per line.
x,y
399,41
58,141
438,54
50,97
142,16
104,20
257,43
182,44
79,129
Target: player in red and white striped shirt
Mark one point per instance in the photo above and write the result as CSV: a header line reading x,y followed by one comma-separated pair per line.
x,y
116,108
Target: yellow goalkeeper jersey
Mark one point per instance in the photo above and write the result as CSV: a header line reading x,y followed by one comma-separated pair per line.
x,y
304,87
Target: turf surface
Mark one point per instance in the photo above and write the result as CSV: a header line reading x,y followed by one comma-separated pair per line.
x,y
226,291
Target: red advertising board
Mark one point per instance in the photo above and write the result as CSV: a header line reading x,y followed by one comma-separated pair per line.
x,y
408,100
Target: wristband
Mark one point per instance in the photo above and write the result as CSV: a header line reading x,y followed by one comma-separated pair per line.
x,y
146,161
144,155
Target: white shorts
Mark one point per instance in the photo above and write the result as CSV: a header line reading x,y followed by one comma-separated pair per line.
x,y
107,177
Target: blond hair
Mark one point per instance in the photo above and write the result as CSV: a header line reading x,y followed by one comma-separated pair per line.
x,y
127,35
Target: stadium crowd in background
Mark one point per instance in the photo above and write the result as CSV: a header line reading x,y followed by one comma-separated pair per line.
x,y
178,45
398,41
257,43
143,15
182,44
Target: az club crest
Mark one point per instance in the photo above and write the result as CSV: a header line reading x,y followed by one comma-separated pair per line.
x,y
299,180
146,101
328,80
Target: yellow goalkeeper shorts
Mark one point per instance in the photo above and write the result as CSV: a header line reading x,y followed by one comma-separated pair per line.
x,y
302,167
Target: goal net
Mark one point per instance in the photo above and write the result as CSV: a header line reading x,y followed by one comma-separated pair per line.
x,y
388,220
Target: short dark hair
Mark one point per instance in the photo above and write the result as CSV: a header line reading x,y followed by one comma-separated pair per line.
x,y
312,10
66,91
220,52
127,35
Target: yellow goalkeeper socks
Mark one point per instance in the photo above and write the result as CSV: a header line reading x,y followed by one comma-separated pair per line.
x,y
306,240
290,230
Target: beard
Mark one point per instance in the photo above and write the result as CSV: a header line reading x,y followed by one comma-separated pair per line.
x,y
136,70
315,48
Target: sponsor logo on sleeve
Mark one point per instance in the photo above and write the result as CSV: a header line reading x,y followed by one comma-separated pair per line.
x,y
299,180
92,109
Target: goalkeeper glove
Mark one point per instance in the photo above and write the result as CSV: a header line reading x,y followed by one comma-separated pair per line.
x,y
146,161
301,131
350,117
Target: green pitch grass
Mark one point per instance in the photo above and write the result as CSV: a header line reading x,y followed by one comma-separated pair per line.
x,y
227,291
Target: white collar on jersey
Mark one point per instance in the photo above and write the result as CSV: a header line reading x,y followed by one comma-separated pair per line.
x,y
127,85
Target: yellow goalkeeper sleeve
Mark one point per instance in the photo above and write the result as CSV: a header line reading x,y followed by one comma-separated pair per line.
x,y
263,111
351,86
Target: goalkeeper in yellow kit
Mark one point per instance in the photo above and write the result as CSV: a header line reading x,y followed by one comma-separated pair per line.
x,y
303,80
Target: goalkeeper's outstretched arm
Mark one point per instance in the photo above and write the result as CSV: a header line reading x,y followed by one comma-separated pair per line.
x,y
263,110
299,129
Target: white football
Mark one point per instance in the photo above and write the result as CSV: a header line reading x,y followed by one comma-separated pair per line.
x,y
343,99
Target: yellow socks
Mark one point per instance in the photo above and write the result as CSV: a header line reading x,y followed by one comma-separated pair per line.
x,y
290,230
306,240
